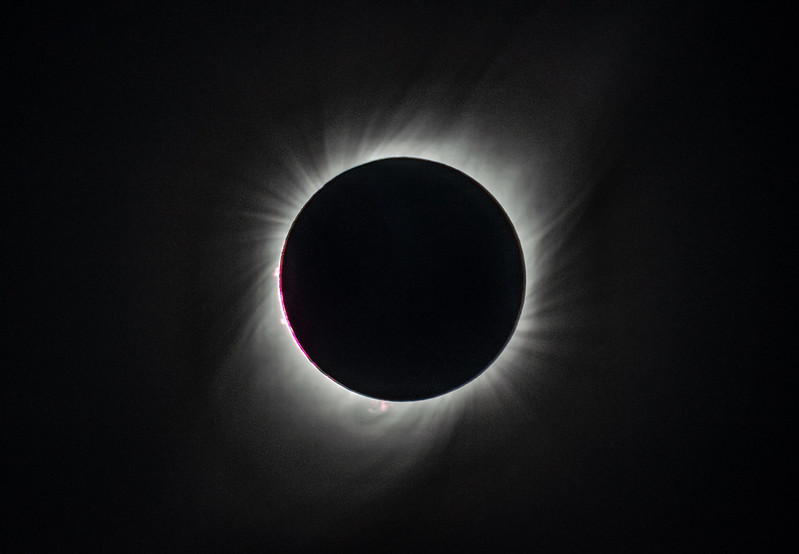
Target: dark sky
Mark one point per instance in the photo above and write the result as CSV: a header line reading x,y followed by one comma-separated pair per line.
x,y
149,408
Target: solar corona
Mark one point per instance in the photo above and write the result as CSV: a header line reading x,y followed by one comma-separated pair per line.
x,y
402,279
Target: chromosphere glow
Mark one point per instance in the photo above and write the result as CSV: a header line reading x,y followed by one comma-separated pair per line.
x,y
402,279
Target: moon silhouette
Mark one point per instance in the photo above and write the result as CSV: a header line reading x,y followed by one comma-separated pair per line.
x,y
402,279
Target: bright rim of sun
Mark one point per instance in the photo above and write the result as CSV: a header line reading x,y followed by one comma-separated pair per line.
x,y
287,376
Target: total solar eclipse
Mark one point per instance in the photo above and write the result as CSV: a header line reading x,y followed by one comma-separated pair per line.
x,y
402,279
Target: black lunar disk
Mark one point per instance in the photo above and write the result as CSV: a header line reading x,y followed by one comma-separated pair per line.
x,y
402,279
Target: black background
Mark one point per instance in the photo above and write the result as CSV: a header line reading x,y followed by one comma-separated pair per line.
x,y
666,407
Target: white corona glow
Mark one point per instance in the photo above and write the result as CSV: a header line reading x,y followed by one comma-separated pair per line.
x,y
284,386
319,398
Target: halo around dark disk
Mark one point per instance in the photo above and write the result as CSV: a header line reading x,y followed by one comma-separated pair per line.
x,y
402,279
